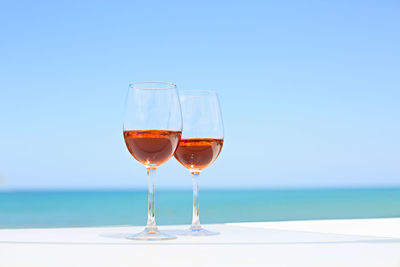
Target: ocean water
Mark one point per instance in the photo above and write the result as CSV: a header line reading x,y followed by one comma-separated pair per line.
x,y
100,208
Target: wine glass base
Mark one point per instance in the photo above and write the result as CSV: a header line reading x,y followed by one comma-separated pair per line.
x,y
150,235
198,231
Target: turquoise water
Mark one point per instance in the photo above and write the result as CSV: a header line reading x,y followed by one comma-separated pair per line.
x,y
96,208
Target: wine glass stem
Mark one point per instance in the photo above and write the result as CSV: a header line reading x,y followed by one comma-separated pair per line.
x,y
151,220
195,218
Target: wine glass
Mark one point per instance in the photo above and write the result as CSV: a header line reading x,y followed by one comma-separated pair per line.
x,y
201,142
152,130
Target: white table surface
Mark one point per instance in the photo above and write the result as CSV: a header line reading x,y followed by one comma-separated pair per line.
x,y
370,242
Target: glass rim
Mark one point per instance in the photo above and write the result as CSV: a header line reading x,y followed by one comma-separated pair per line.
x,y
147,85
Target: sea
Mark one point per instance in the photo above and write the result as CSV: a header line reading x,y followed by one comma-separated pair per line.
x,y
44,209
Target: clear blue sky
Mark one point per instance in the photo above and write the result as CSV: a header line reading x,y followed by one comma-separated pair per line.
x,y
310,90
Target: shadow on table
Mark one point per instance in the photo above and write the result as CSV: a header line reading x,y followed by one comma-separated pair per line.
x,y
122,237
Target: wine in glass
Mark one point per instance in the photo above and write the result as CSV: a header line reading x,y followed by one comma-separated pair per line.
x,y
201,142
152,130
